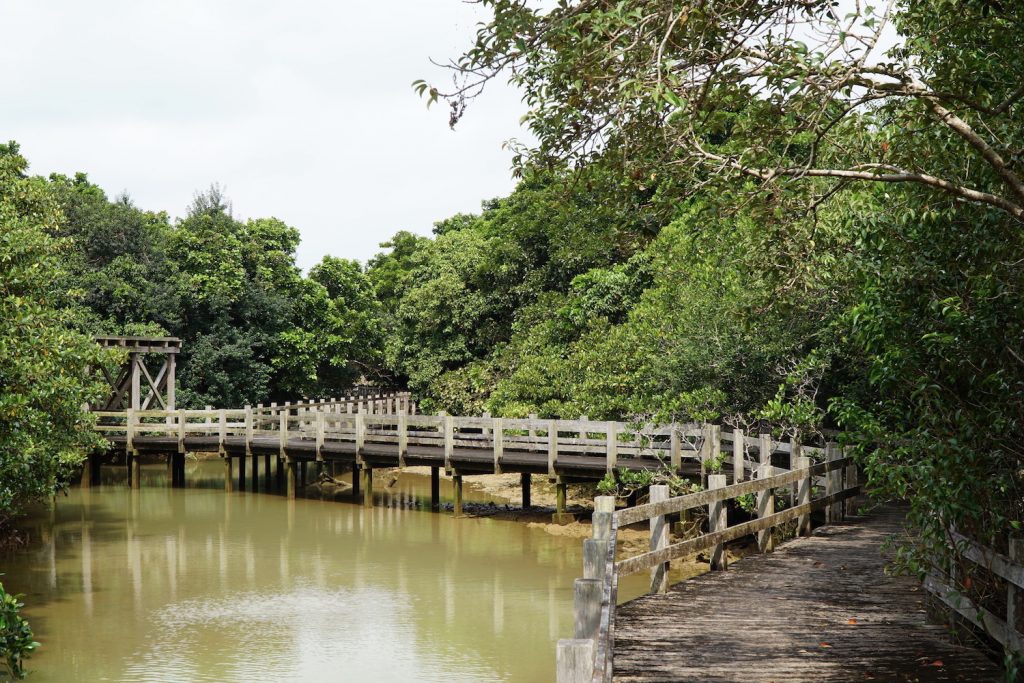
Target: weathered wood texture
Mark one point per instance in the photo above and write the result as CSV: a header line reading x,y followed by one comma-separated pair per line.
x,y
820,608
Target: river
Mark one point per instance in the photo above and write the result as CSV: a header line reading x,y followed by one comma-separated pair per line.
x,y
194,584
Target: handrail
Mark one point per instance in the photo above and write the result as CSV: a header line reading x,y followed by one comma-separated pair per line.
x,y
1010,568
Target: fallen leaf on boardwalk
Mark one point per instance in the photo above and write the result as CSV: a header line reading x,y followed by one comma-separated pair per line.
x,y
824,645
819,564
937,662
869,676
851,621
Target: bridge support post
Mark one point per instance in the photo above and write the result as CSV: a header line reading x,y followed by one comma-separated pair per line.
x,y
255,473
457,484
241,473
561,516
367,477
229,483
435,489
172,474
135,470
91,471
280,474
524,484
717,521
289,467
356,483
180,467
302,475
268,477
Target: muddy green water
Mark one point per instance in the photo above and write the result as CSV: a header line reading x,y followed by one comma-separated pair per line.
x,y
193,584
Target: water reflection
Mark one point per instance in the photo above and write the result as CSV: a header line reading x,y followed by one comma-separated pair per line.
x,y
197,585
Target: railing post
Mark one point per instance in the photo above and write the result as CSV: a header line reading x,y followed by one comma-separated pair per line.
x,y
449,442
739,471
574,660
803,527
222,430
283,429
319,435
552,448
659,541
587,607
360,427
129,430
612,456
832,509
850,483
498,434
766,498
717,521
675,454
249,430
181,430
1014,595
403,438
532,431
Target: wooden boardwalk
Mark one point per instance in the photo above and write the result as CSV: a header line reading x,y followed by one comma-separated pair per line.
x,y
820,608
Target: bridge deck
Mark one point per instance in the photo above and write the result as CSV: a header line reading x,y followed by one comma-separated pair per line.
x,y
818,609
466,460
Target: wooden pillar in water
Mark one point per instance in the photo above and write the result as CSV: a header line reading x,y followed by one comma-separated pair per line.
x,y
135,470
289,468
91,471
255,473
280,474
561,516
355,482
172,474
229,483
524,484
241,473
457,484
435,489
367,477
267,474
302,475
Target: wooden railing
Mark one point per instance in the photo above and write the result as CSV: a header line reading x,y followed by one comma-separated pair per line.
x,y
1010,569
588,655
327,422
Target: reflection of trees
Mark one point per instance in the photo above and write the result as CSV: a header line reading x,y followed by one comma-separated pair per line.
x,y
191,577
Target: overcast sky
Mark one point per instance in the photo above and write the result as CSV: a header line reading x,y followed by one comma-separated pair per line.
x,y
301,110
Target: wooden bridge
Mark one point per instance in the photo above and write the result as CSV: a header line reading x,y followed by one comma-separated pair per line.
x,y
374,432
820,609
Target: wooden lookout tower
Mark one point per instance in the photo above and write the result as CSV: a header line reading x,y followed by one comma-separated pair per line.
x,y
145,381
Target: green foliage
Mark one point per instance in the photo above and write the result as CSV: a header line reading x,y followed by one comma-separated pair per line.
x,y
892,306
16,641
43,357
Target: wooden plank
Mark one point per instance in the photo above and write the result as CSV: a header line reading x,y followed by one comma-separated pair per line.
x,y
819,609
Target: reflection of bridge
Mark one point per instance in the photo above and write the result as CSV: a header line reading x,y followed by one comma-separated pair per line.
x,y
361,436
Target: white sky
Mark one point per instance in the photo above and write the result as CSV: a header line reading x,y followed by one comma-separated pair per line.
x,y
301,110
